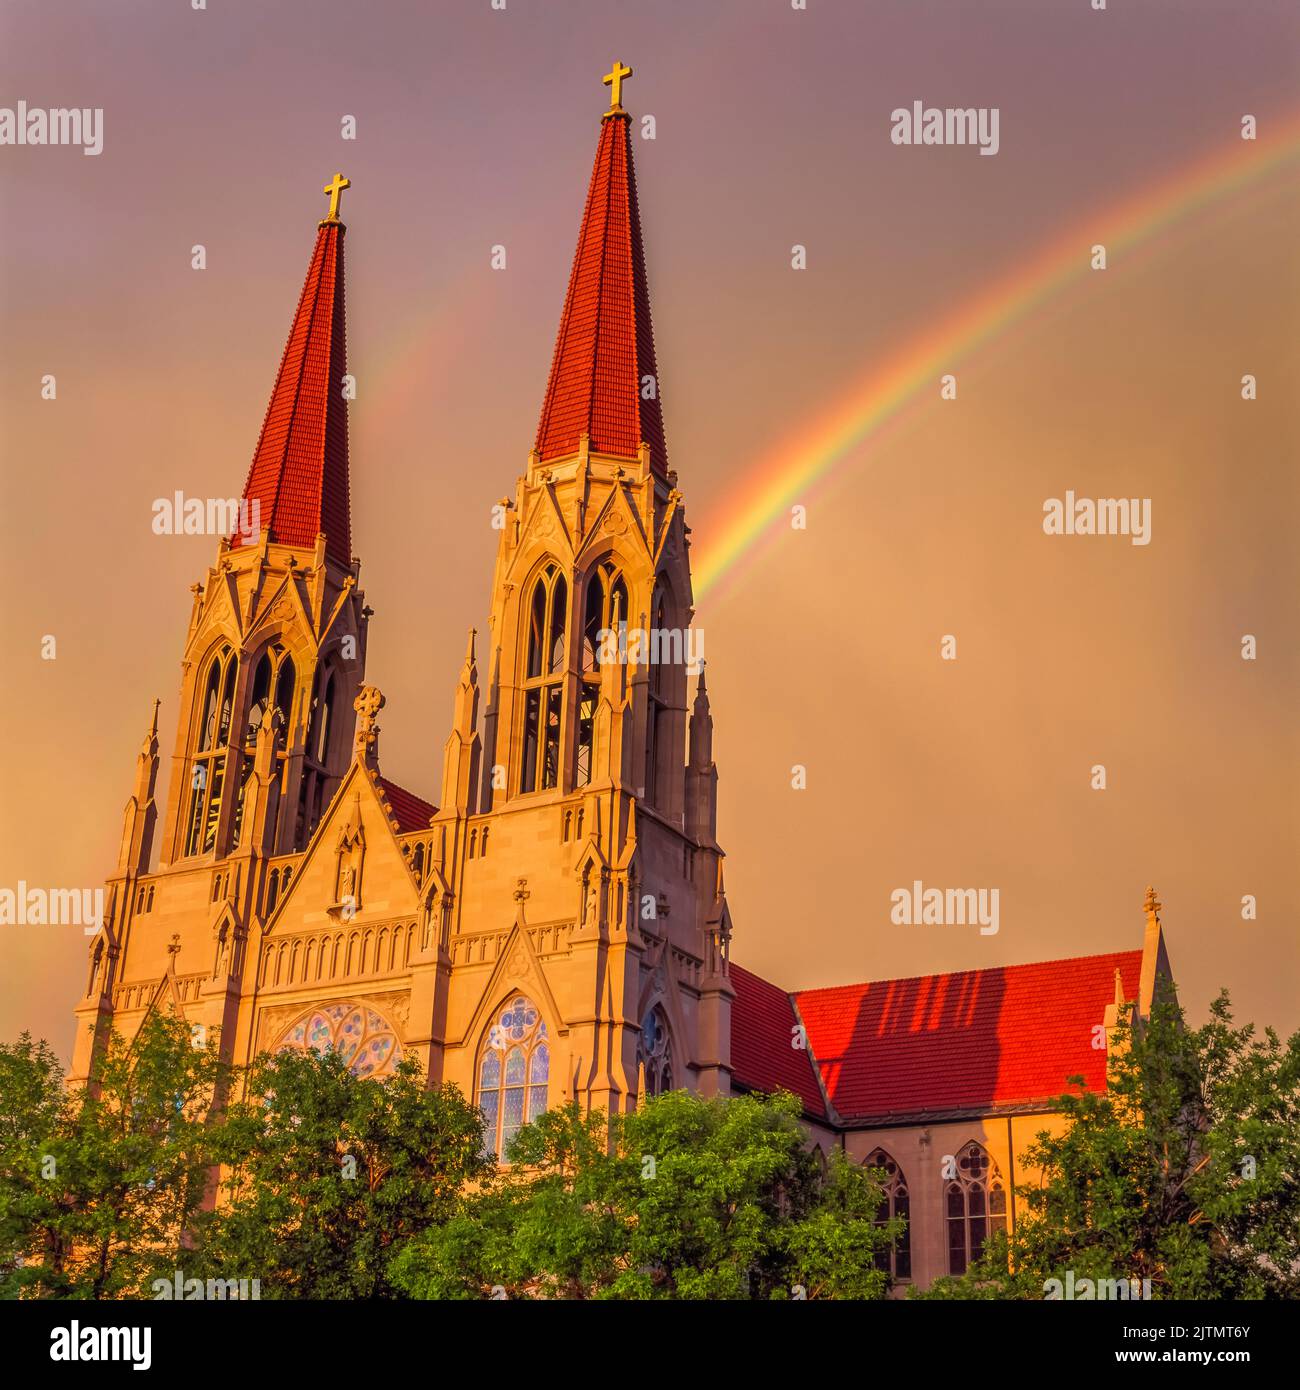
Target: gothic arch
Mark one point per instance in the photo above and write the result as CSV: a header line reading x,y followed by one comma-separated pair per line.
x,y
542,670
512,1069
213,730
896,1259
364,1037
661,991
656,1058
975,1205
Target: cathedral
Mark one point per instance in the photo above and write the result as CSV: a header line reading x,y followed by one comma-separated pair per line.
x,y
555,927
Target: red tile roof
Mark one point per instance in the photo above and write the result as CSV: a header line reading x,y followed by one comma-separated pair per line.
x,y
605,346
299,474
973,1039
412,812
763,1057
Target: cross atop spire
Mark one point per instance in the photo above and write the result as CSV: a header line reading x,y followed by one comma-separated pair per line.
x,y
335,189
614,80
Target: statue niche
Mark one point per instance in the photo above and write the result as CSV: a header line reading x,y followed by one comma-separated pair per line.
x,y
349,855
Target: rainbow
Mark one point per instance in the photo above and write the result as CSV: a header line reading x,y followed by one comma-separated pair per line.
x,y
879,402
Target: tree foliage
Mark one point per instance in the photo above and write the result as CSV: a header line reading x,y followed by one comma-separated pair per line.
x,y
326,1174
684,1199
99,1184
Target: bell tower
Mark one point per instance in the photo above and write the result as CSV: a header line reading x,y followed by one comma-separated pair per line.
x,y
583,762
273,659
275,650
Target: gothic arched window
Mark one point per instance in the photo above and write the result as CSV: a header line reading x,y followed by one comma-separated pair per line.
x,y
655,1053
544,682
364,1039
513,1071
657,655
604,610
208,772
273,686
975,1206
315,763
323,717
896,1259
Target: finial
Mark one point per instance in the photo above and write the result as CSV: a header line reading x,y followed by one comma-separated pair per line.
x,y
335,189
153,724
1119,987
614,81
370,700
1151,906
700,683
469,650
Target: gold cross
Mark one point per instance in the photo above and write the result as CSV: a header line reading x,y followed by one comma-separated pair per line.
x,y
335,189
614,81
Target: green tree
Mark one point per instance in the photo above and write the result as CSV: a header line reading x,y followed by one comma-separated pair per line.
x,y
1185,1171
325,1174
686,1198
99,1184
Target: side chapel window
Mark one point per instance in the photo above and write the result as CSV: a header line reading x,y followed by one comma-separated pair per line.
x,y
896,1259
976,1206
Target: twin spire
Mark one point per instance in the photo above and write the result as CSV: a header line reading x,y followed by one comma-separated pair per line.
x,y
299,474
603,385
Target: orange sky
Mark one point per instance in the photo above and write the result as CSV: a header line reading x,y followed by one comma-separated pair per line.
x,y
477,128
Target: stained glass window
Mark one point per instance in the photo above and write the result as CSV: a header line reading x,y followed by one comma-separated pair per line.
x,y
656,1053
976,1207
513,1072
365,1040
895,1259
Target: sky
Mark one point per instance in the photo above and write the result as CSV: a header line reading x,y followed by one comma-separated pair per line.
x,y
475,127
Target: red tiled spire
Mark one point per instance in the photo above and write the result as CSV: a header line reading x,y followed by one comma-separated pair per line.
x,y
299,475
605,346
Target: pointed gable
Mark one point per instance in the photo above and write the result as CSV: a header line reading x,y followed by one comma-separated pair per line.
x,y
605,345
357,833
299,474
